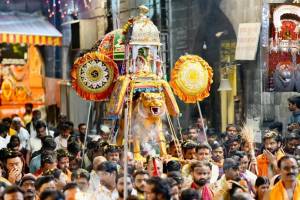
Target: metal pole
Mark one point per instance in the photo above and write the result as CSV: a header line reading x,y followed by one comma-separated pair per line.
x,y
115,7
118,14
86,132
201,117
170,18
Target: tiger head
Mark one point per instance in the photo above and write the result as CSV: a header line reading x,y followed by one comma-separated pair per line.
x,y
153,104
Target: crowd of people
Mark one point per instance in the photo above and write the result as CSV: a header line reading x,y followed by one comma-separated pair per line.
x,y
42,163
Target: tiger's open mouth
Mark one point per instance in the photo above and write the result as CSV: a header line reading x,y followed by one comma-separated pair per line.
x,y
154,110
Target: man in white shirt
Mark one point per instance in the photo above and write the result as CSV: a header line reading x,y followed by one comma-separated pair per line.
x,y
62,139
36,116
118,193
82,178
94,177
108,173
21,132
35,143
244,165
4,137
203,152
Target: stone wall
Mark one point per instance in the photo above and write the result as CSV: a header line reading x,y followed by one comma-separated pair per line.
x,y
242,11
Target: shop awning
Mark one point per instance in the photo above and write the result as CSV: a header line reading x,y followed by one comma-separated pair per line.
x,y
26,28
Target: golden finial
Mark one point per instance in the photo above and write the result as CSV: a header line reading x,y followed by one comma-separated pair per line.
x,y
143,10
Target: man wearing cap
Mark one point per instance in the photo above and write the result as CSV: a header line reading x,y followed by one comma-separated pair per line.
x,y
267,161
27,184
17,129
231,175
94,177
104,133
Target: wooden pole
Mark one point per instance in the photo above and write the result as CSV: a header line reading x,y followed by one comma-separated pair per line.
x,y
201,117
86,132
127,128
125,149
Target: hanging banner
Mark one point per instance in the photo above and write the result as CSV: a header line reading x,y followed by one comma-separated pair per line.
x,y
247,41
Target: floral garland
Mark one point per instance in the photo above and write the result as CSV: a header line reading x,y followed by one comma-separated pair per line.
x,y
127,26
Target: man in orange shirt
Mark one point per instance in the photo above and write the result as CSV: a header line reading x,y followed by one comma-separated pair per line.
x,y
267,161
288,187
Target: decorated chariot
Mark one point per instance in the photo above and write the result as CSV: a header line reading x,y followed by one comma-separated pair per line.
x,y
127,72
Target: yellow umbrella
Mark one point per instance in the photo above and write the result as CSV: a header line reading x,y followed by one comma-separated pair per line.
x,y
191,78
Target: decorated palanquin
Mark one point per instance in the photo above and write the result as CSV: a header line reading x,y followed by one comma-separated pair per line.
x,y
284,60
22,83
127,73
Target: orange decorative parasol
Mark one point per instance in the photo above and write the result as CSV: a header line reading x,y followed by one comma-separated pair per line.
x,y
191,78
93,76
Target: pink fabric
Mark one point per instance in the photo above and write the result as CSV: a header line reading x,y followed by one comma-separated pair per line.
x,y
206,193
155,170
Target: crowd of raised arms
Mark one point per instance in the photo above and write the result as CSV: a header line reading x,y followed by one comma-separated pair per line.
x,y
44,163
